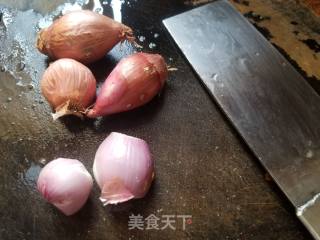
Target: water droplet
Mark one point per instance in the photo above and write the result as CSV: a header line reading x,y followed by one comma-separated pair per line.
x,y
13,123
142,38
33,106
20,95
20,83
4,107
243,61
170,59
30,86
105,3
129,105
20,139
142,97
309,154
257,54
156,35
152,45
20,66
43,161
214,76
9,99
98,10
66,145
24,108
31,175
146,69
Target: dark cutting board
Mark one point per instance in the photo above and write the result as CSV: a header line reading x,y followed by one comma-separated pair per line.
x,y
202,168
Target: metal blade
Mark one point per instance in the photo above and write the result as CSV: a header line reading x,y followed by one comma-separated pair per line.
x,y
272,107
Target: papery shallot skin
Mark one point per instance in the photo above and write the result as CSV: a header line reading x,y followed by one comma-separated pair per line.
x,y
83,35
68,86
134,82
123,168
66,184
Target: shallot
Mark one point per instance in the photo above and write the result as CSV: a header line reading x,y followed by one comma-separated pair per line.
x,y
66,184
83,35
123,168
69,87
134,82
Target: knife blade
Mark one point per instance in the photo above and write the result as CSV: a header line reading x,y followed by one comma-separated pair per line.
x,y
269,103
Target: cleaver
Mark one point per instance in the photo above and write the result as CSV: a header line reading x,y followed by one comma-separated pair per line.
x,y
269,103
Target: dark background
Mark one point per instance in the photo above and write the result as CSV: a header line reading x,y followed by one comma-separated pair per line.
x,y
203,168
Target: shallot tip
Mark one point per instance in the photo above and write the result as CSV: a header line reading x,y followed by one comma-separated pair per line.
x,y
127,34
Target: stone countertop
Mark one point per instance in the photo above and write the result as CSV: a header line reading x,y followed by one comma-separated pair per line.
x,y
203,168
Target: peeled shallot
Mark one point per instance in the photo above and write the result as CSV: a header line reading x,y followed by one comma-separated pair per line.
x,y
123,168
66,184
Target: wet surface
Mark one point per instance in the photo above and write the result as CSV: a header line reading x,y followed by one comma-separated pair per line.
x,y
202,168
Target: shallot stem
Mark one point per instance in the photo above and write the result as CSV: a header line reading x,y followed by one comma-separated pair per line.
x,y
88,109
64,110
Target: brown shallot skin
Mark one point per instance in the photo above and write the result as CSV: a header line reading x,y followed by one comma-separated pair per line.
x,y
134,82
83,35
69,87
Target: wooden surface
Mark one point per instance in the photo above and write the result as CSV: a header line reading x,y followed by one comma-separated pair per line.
x,y
314,5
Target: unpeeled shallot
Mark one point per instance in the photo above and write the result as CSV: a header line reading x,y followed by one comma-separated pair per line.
x,y
66,184
69,87
134,82
83,35
123,168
